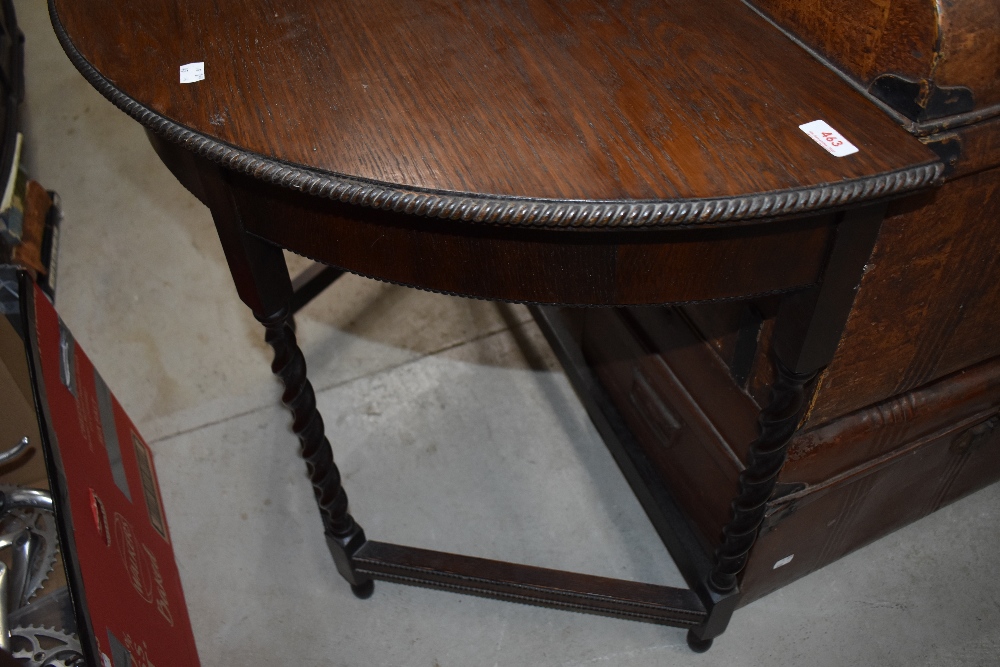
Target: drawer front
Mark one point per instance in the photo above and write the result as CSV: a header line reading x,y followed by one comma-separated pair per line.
x,y
817,526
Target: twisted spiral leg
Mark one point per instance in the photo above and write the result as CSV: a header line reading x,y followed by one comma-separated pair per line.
x,y
778,422
344,535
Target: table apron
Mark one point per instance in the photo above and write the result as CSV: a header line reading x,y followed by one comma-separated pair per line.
x,y
570,267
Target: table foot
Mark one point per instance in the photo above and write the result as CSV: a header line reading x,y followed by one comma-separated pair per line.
x,y
698,645
363,591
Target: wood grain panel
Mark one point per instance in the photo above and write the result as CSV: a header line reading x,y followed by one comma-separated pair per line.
x,y
951,403
925,308
821,525
970,48
864,38
968,149
932,44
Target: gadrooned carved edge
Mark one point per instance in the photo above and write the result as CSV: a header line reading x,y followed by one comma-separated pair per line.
x,y
548,213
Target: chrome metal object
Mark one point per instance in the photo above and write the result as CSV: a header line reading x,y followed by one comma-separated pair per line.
x,y
14,451
46,647
4,625
29,529
14,498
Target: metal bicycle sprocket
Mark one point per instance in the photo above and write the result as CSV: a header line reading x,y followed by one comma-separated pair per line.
x,y
42,527
36,646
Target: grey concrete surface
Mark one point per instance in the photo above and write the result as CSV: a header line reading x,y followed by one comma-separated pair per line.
x,y
448,438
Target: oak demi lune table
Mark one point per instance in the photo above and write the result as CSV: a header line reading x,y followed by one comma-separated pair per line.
x,y
554,153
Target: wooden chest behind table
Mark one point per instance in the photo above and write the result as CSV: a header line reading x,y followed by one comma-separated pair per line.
x,y
904,420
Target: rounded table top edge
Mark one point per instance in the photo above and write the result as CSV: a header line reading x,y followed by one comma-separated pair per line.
x,y
508,210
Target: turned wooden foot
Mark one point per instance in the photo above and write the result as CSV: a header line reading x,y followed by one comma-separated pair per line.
x,y
696,644
363,591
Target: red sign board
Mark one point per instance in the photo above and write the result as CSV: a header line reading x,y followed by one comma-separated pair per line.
x,y
121,563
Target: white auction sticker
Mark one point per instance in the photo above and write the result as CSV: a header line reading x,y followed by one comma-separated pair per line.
x,y
783,562
827,137
192,72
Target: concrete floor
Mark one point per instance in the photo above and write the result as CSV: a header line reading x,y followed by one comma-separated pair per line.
x,y
448,438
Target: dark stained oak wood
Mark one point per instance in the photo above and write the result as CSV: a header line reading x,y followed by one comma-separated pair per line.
x,y
978,147
395,104
948,52
844,484
530,585
953,402
548,266
578,152
927,304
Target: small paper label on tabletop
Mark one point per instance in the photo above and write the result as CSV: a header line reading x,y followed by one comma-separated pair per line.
x,y
192,72
827,137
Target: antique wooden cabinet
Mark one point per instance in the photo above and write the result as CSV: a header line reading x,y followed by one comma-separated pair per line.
x,y
904,418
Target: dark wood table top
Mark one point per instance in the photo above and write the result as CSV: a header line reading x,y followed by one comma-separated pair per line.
x,y
528,112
